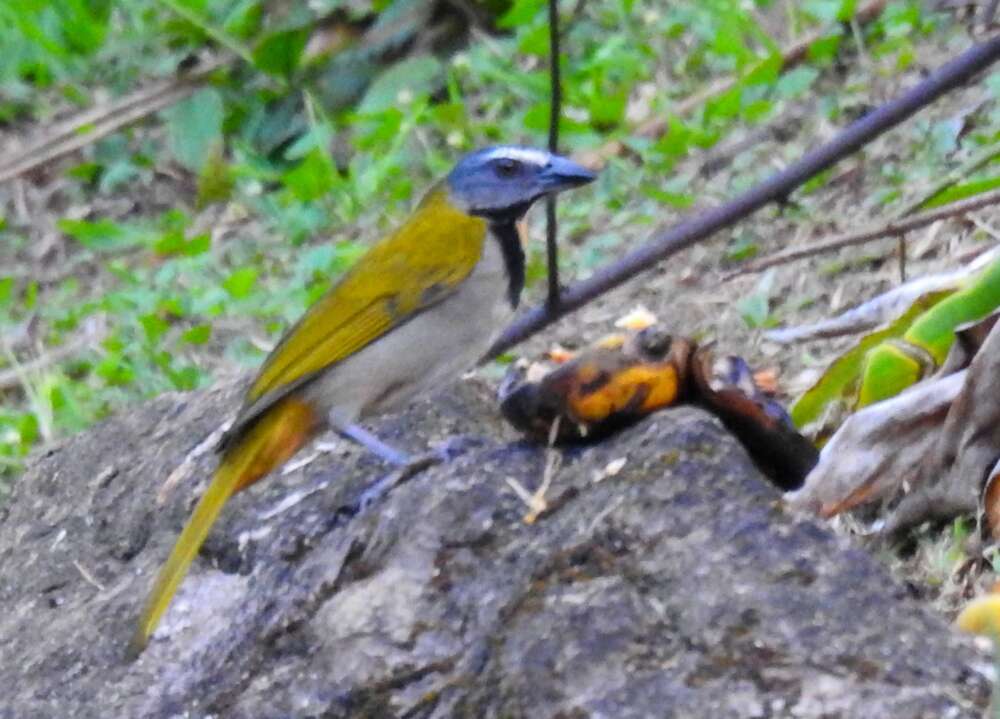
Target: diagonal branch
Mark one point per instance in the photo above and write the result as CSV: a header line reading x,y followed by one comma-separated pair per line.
x,y
776,188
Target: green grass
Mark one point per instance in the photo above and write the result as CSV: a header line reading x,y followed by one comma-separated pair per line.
x,y
196,236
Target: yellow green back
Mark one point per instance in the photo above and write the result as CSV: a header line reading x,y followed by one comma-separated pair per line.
x,y
414,267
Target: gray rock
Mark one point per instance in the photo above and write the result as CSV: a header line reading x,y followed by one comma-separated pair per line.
x,y
678,587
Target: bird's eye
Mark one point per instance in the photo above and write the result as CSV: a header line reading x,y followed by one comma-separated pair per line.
x,y
507,167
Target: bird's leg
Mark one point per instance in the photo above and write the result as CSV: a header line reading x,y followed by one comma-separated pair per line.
x,y
406,465
449,449
385,452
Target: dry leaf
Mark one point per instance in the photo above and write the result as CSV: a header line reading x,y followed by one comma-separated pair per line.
x,y
638,319
991,501
766,380
878,449
954,480
559,354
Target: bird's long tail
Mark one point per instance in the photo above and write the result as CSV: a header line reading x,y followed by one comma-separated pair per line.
x,y
269,442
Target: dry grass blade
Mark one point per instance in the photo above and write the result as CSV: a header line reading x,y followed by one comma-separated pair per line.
x,y
69,136
536,502
882,308
94,332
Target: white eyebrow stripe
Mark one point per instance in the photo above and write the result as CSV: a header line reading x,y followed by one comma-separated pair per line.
x,y
522,154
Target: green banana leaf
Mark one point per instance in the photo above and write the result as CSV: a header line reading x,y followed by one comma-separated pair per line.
x,y
839,384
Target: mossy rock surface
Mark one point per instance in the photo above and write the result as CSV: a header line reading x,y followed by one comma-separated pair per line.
x,y
676,587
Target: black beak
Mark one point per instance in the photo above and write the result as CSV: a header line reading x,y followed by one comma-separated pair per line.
x,y
563,174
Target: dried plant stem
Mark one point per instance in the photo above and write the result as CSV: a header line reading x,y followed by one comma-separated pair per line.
x,y
893,228
72,135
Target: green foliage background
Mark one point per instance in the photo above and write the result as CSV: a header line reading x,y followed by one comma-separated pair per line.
x,y
195,236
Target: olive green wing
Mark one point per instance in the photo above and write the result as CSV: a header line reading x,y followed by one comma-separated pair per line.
x,y
412,269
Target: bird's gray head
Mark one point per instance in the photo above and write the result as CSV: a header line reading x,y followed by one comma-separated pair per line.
x,y
500,183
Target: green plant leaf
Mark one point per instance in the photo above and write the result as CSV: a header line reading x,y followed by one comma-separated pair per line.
x,y
240,283
6,290
839,383
312,178
197,335
154,326
194,128
961,191
103,235
521,13
280,52
403,83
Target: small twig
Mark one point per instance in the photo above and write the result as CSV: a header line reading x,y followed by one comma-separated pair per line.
x,y
290,500
555,91
51,275
893,228
901,251
79,122
988,12
88,577
536,502
319,449
18,375
91,125
859,41
553,460
183,470
776,188
523,494
68,137
959,173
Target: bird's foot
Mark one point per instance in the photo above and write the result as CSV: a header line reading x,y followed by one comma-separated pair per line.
x,y
445,452
456,446
378,489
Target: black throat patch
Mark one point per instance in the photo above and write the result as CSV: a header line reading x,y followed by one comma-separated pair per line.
x,y
506,235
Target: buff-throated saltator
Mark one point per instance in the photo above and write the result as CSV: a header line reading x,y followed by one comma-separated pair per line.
x,y
424,303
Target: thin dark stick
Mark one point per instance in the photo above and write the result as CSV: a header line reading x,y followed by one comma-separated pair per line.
x,y
893,228
775,189
551,227
901,245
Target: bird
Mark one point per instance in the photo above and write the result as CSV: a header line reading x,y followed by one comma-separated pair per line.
x,y
423,303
